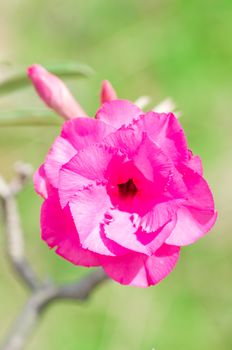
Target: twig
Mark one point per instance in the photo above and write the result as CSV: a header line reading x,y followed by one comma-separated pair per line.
x,y
42,293
14,235
82,289
43,297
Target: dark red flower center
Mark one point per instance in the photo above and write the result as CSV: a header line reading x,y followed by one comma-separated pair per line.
x,y
127,189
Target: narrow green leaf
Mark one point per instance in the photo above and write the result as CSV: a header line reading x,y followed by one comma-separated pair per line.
x,y
20,80
29,117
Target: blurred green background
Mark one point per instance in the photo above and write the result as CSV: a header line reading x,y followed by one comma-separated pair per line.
x,y
160,48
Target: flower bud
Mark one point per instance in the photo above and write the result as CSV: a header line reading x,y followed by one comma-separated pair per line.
x,y
54,93
107,92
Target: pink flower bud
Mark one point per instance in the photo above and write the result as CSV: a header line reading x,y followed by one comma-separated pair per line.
x,y
107,92
54,93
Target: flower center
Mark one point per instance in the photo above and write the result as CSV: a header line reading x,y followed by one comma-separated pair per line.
x,y
127,189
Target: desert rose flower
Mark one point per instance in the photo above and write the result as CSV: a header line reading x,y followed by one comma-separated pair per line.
x,y
123,191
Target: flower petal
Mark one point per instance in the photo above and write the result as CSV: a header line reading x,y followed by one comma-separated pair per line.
x,y
153,162
60,153
139,270
118,112
197,215
88,209
125,139
157,217
40,182
88,167
59,232
199,193
75,135
166,131
191,225
121,229
195,163
82,132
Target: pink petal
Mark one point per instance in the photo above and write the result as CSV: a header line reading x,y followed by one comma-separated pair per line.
x,y
154,240
157,217
197,215
54,93
153,163
69,184
82,132
160,264
121,229
59,232
199,193
60,153
166,131
40,182
88,209
118,112
191,225
125,139
75,135
91,162
107,92
195,163
139,270
88,166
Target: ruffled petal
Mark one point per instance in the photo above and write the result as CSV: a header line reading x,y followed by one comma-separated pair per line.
x,y
118,113
195,163
76,135
153,240
166,131
88,209
40,182
82,132
140,270
60,153
153,162
157,217
126,139
88,167
191,225
199,193
197,214
59,232
120,228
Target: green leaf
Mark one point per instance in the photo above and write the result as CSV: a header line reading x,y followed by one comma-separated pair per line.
x,y
20,80
29,117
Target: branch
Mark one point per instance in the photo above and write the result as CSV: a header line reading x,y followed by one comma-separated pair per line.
x,y
13,230
42,293
43,297
82,289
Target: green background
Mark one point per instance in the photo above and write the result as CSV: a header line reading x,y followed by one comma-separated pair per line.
x,y
178,48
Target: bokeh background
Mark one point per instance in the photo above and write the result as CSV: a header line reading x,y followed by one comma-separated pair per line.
x,y
160,48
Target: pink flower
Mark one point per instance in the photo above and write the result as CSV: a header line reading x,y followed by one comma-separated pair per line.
x,y
123,191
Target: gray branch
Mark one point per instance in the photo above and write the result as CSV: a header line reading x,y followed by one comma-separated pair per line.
x,y
42,293
14,234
